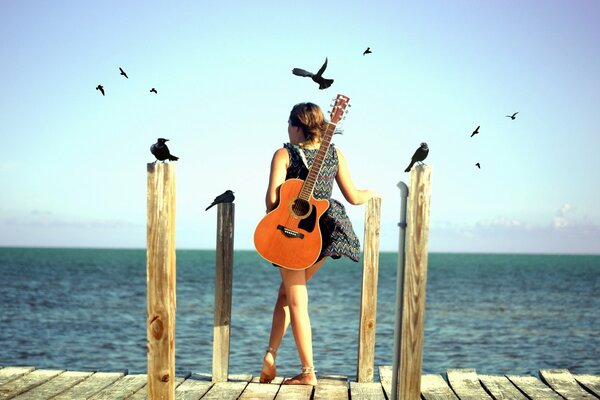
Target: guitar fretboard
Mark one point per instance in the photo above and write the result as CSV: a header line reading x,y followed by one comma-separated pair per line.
x,y
315,168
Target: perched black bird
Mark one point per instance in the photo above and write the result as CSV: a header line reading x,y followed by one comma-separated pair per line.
x,y
419,156
226,197
513,116
367,51
318,77
475,132
153,91
123,73
101,89
478,165
161,151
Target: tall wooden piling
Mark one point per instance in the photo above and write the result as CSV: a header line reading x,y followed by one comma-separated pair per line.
x,y
160,255
223,289
368,303
412,319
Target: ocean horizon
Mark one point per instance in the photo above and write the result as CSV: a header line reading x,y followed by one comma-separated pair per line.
x,y
500,313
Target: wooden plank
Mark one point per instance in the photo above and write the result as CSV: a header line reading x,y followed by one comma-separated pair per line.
x,y
533,387
410,347
225,391
368,302
55,386
123,388
8,374
143,392
501,388
465,383
223,291
565,384
193,388
27,382
366,391
260,391
294,392
90,386
331,387
590,382
161,280
385,377
434,387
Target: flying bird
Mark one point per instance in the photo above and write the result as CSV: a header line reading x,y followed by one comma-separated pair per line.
x,y
478,165
161,151
475,132
123,73
153,91
318,77
420,155
226,197
367,51
513,116
101,89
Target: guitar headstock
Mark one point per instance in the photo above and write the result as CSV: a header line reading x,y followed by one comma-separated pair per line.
x,y
339,108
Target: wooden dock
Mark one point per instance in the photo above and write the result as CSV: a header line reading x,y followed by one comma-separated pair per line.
x,y
41,384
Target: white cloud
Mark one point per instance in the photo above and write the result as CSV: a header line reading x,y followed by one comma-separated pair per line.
x,y
563,233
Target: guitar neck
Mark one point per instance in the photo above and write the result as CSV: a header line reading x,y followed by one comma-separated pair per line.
x,y
315,168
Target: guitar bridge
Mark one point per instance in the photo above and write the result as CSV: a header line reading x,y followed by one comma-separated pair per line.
x,y
290,232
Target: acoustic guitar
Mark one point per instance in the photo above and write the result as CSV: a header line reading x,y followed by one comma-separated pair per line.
x,y
290,236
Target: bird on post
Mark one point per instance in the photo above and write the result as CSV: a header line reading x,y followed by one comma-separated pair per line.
x,y
318,77
225,197
420,155
161,151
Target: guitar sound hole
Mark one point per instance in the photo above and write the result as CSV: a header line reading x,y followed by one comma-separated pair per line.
x,y
301,207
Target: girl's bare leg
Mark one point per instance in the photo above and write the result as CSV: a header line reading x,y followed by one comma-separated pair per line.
x,y
281,321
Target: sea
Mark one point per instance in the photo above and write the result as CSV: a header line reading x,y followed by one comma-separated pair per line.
x,y
85,309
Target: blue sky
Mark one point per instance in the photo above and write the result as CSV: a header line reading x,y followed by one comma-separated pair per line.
x,y
73,171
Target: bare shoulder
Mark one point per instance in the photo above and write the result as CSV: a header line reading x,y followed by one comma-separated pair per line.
x,y
281,157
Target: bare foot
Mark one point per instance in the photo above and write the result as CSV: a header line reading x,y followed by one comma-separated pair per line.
x,y
269,369
308,378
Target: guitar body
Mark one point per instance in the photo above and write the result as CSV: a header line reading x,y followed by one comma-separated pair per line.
x,y
290,236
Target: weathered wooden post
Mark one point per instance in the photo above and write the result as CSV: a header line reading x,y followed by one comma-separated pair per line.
x,y
368,302
411,324
223,291
161,271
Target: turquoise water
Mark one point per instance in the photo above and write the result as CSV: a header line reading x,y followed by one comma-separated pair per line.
x,y
86,309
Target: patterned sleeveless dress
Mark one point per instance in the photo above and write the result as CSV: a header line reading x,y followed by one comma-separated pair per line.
x,y
338,235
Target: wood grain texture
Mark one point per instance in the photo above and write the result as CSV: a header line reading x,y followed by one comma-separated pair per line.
x,y
331,387
434,387
410,359
366,391
8,374
27,382
565,384
89,387
368,302
465,383
533,387
161,279
501,387
223,290
123,388
590,382
55,386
